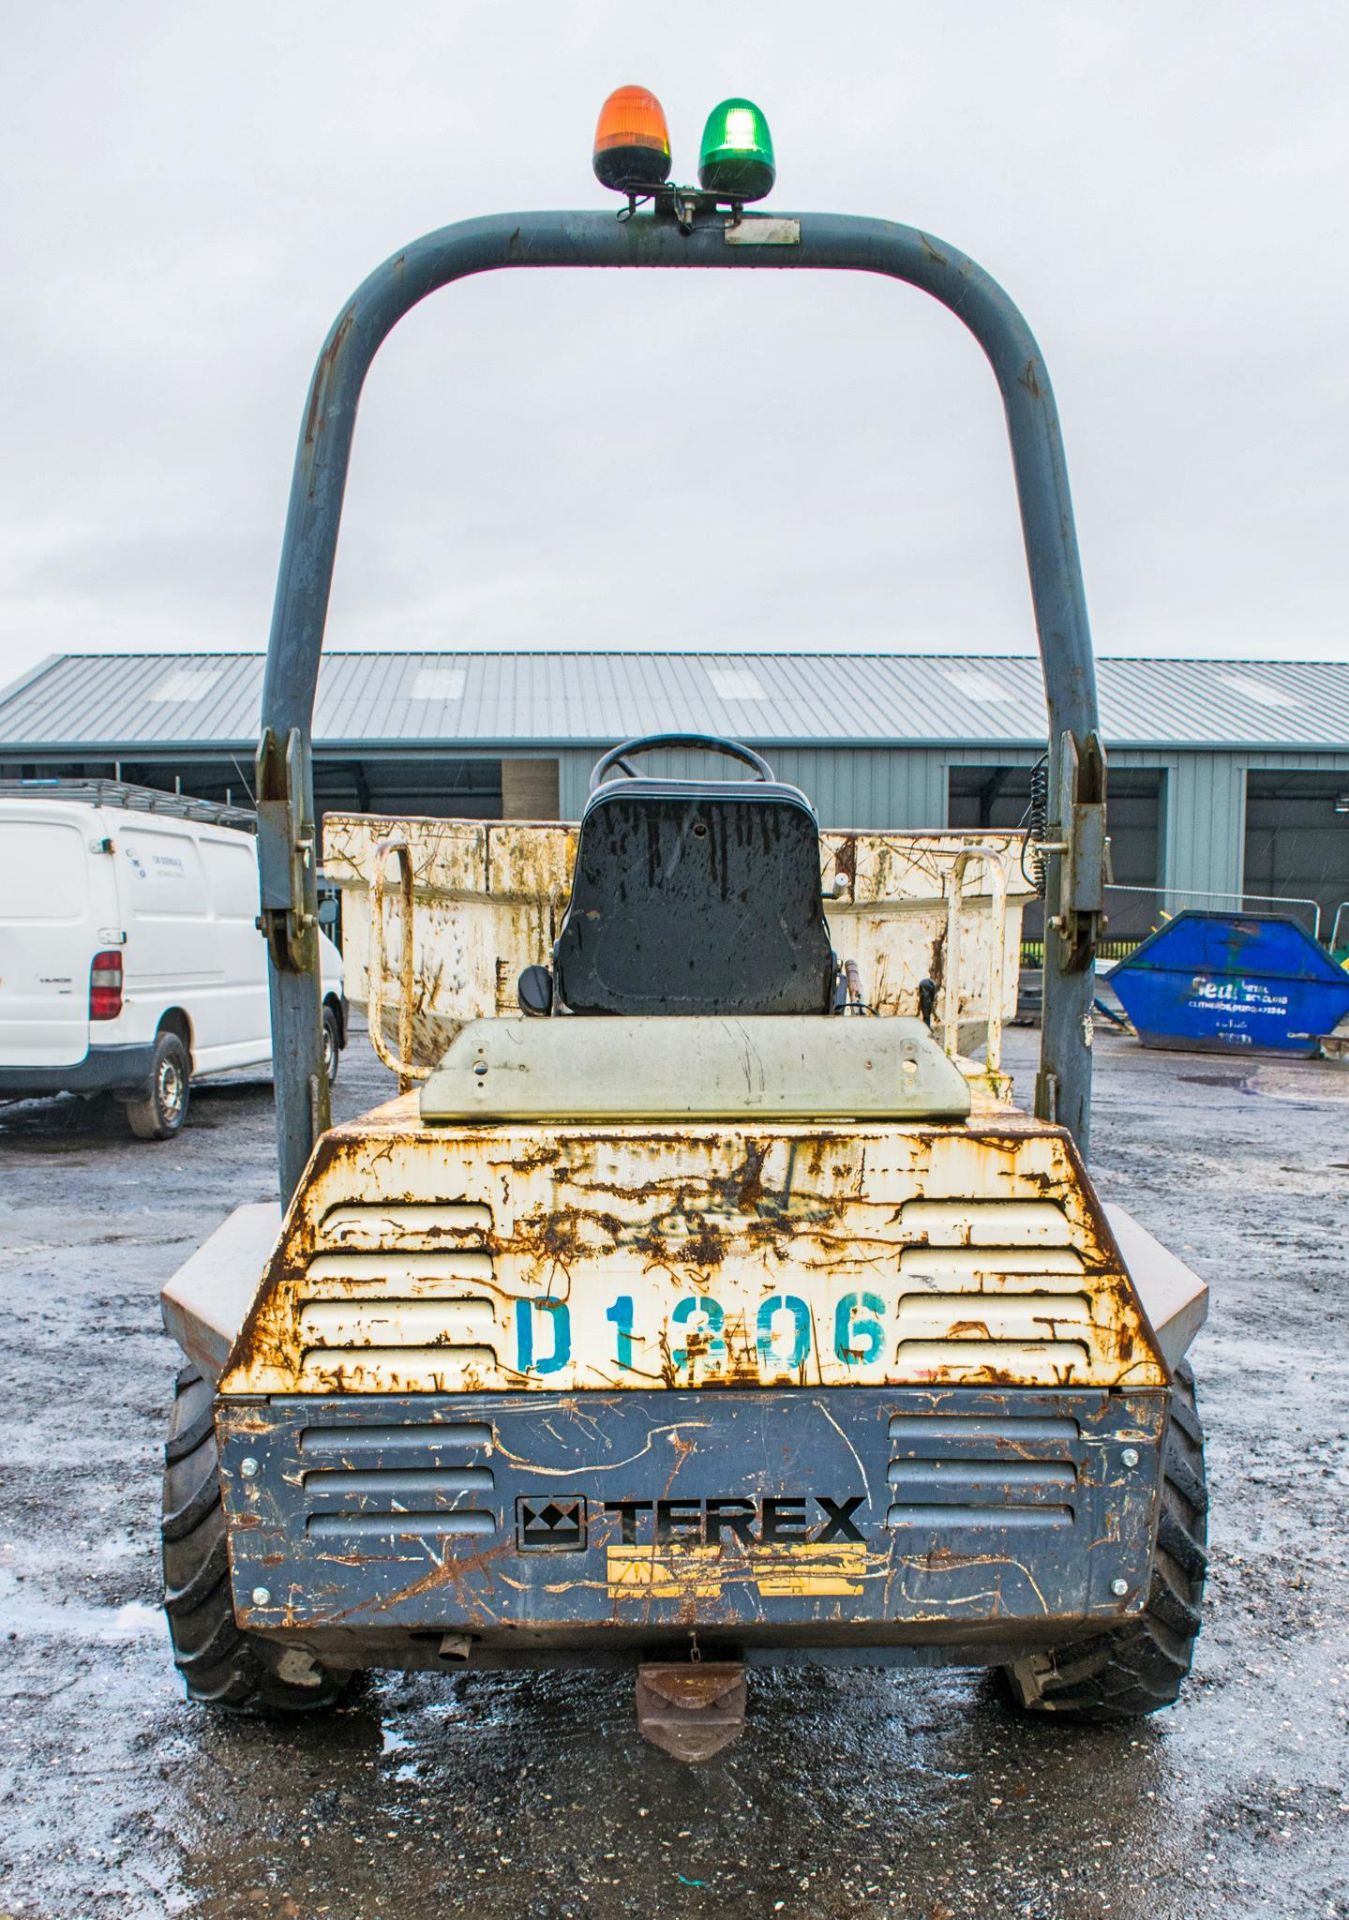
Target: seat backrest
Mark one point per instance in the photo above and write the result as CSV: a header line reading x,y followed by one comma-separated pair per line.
x,y
696,897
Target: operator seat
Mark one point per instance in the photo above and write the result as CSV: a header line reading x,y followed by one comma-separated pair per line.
x,y
695,896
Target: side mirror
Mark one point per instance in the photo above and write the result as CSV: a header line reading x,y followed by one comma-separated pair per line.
x,y
327,913
534,990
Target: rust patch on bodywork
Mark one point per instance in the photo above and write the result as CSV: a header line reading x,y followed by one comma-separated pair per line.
x,y
484,1259
488,900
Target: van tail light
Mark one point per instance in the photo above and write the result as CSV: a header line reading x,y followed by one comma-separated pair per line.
x,y
105,986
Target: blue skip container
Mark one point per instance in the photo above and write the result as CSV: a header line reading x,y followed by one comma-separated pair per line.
x,y
1232,983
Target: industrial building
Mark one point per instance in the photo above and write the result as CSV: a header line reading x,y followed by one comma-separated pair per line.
x,y
1227,778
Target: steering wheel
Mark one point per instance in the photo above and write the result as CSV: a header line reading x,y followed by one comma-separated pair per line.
x,y
649,742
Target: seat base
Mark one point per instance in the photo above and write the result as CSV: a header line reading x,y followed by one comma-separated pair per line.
x,y
817,1067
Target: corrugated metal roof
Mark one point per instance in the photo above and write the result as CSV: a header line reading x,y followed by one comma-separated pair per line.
x,y
119,704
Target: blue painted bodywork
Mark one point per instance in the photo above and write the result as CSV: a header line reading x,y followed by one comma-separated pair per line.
x,y
610,1523
1232,983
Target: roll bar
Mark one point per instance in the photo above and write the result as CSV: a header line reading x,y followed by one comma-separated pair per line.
x,y
678,234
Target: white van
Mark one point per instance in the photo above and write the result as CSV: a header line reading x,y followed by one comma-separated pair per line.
x,y
130,957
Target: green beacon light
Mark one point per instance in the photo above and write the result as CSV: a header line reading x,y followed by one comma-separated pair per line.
x,y
736,158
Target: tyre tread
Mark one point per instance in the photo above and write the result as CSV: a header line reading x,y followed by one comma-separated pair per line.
x,y
221,1663
1139,1668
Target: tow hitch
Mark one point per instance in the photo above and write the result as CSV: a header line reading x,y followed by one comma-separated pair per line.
x,y
693,1709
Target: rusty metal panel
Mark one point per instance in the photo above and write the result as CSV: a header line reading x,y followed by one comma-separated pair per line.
x,y
485,1259
489,899
856,1514
889,898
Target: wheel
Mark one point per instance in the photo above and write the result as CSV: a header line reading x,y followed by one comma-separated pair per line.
x,y
221,1663
1140,1667
332,1044
160,1112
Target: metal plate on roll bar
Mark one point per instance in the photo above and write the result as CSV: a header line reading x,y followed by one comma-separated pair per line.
x,y
763,233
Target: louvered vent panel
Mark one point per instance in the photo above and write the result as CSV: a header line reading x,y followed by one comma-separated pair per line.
x,y
953,1473
421,1224
400,1296
1023,1317
992,1280
985,1223
386,1482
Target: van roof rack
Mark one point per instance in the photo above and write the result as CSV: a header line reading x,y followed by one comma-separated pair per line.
x,y
122,793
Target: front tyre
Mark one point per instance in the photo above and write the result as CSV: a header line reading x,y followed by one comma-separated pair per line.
x,y
161,1110
222,1664
1138,1668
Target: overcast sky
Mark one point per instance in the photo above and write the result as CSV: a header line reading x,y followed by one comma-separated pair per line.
x,y
188,192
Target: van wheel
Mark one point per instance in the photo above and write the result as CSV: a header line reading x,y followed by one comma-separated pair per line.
x,y
221,1664
162,1109
1138,1668
332,1044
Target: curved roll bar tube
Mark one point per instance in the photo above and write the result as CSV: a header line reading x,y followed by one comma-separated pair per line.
x,y
833,242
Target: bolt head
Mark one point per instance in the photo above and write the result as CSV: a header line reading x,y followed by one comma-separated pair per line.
x,y
248,1468
1129,1457
1118,1587
262,1596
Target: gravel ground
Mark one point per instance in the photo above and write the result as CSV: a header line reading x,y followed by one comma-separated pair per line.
x,y
905,1793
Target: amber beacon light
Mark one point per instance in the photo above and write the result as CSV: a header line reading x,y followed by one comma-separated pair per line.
x,y
632,141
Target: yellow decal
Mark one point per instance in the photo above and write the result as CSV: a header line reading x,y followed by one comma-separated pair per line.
x,y
787,1571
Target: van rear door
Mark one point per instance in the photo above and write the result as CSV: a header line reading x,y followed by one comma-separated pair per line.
x,y
242,1015
46,937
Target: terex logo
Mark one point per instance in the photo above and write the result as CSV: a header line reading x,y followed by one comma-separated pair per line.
x,y
777,1520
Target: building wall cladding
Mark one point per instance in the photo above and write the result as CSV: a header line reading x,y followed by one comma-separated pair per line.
x,y
1199,844
876,741
850,786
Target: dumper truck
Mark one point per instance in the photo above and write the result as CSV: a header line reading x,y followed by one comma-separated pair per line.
x,y
700,1302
